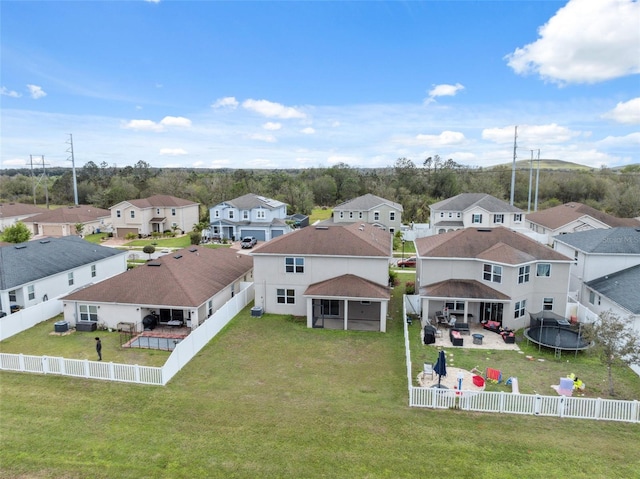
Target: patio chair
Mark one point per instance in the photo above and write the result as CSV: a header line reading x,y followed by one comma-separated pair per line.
x,y
427,369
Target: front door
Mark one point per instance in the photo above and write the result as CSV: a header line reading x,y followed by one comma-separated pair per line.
x,y
491,312
318,314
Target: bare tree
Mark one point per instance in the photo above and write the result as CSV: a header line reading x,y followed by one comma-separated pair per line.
x,y
616,341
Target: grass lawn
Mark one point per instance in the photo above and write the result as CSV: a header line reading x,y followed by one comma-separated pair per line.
x,y
319,214
177,242
270,398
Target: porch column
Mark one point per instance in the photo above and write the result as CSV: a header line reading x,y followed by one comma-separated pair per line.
x,y
466,311
346,314
309,312
384,308
424,312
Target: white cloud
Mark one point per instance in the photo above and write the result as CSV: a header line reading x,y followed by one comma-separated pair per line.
x,y
308,131
36,92
172,151
14,162
150,125
272,126
143,125
586,41
228,102
443,89
443,139
530,136
272,110
176,121
11,93
626,112
263,137
632,139
221,164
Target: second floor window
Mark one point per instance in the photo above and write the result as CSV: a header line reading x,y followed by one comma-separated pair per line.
x,y
262,214
118,214
543,269
392,215
70,279
245,215
493,273
520,309
93,270
173,211
376,216
133,214
32,292
476,218
230,214
523,274
294,265
216,213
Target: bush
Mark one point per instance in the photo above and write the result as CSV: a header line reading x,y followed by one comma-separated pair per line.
x,y
131,236
410,287
195,237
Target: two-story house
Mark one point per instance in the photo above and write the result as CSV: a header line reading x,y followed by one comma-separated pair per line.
x,y
248,215
370,209
483,274
182,289
45,269
473,210
156,214
65,221
571,218
597,253
335,276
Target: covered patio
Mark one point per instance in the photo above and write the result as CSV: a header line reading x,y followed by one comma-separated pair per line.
x,y
348,302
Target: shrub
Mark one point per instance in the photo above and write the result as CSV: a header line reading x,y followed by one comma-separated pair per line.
x,y
131,236
410,287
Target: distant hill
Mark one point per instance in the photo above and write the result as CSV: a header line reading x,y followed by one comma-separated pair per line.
x,y
545,165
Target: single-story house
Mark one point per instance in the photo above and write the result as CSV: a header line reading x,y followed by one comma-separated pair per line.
x,y
63,221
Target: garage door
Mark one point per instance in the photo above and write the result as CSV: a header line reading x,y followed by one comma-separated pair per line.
x,y
122,232
52,230
259,234
276,233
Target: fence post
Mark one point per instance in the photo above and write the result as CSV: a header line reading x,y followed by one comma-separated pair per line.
x,y
136,369
21,362
598,408
502,396
635,416
86,368
111,371
63,366
536,406
45,365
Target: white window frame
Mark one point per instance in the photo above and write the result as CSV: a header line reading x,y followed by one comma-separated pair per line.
x,y
294,264
216,213
230,214
392,215
118,214
520,309
31,292
330,307
210,308
547,304
285,296
517,217
173,211
524,274
542,274
376,216
70,278
498,219
476,218
132,214
88,312
245,215
492,273
93,271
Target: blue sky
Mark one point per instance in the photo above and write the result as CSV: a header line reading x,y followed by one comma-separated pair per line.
x,y
313,84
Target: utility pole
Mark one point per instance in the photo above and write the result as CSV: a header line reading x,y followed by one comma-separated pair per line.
x,y
35,183
513,168
530,181
73,166
535,204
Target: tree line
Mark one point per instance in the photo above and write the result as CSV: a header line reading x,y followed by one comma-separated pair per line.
x,y
415,185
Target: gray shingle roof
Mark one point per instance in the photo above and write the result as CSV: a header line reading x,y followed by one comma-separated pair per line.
x,y
34,260
70,215
604,241
464,201
158,201
365,203
251,201
558,216
622,287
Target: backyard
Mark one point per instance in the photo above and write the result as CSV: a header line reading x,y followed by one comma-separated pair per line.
x,y
270,398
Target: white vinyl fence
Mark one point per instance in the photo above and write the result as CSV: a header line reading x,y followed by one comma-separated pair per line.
x,y
24,319
510,403
160,376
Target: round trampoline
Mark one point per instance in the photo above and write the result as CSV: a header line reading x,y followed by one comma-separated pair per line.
x,y
553,331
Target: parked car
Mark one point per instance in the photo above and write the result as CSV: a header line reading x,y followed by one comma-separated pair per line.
x,y
407,263
248,242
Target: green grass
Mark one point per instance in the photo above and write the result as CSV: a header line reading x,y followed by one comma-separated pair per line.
x,y
319,214
39,341
96,237
409,248
270,398
177,242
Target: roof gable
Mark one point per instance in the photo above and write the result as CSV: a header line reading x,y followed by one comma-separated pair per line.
x,y
251,201
620,287
366,202
348,286
70,215
157,201
12,210
187,277
464,201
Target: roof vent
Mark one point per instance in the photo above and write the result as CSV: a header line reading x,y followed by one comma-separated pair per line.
x,y
178,256
153,264
44,241
193,250
483,230
322,227
20,246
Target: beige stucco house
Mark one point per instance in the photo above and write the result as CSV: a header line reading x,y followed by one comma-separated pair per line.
x,y
370,209
156,214
490,274
336,276
63,221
